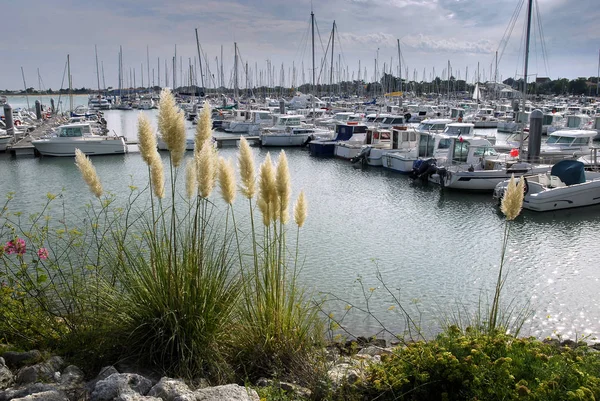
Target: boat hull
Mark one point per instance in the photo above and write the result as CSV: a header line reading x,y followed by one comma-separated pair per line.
x,y
322,149
481,180
90,146
344,151
283,140
4,141
397,162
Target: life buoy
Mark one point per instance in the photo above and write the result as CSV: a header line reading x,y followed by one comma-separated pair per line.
x,y
460,120
17,122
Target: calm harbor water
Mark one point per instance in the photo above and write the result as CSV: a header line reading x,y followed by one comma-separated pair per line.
x,y
439,251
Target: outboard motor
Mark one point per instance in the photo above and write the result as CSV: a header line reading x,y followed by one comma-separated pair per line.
x,y
423,168
308,140
442,172
362,155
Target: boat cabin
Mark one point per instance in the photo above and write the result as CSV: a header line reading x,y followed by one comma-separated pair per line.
x,y
577,121
287,120
567,139
459,129
403,139
376,136
74,130
431,125
375,118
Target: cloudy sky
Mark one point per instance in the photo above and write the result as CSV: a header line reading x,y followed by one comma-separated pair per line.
x,y
40,34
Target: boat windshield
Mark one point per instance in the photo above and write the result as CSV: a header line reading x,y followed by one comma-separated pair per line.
x,y
290,121
425,127
342,117
559,140
482,151
69,132
457,131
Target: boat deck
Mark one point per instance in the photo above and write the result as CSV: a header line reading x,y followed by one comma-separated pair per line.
x,y
23,146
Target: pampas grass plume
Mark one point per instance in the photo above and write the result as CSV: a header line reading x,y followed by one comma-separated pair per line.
x,y
146,138
158,176
227,180
88,172
512,202
190,178
300,210
171,124
283,187
205,165
204,127
247,169
268,189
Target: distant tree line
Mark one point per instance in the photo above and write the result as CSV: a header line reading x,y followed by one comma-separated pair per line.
x,y
388,83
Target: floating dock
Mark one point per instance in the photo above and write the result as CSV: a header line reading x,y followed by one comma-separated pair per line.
x,y
23,147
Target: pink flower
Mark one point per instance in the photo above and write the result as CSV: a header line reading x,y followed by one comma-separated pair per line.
x,y
17,246
9,248
42,253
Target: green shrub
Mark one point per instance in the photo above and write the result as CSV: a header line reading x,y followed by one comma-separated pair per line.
x,y
470,365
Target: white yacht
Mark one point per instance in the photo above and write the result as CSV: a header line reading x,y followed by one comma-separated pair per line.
x,y
4,140
374,138
402,142
294,136
98,102
566,143
473,164
249,121
566,186
69,137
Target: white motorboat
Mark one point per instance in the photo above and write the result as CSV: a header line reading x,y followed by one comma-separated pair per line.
x,y
352,147
249,121
98,102
4,140
294,136
472,164
567,186
283,122
566,143
80,136
378,144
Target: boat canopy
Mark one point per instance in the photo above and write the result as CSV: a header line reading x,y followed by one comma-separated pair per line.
x,y
570,172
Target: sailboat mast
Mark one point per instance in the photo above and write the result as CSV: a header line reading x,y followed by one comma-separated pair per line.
x,y
235,88
312,21
598,76
529,12
148,66
399,65
97,70
70,83
331,69
199,59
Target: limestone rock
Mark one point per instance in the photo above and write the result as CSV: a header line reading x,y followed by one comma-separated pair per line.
x,y
20,359
120,384
6,377
229,392
344,373
44,371
373,350
24,391
51,395
169,389
105,372
136,397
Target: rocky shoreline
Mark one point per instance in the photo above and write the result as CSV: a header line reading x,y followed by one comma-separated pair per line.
x,y
28,376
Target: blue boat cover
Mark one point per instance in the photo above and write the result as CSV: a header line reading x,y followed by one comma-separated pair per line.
x,y
570,172
344,132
